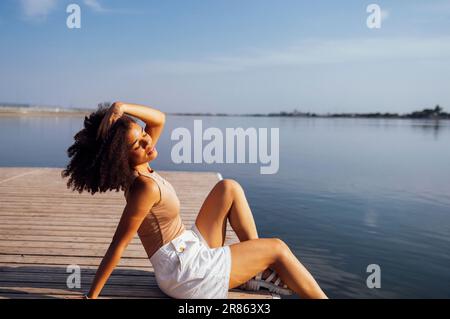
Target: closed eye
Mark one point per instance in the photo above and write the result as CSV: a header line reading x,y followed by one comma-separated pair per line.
x,y
145,134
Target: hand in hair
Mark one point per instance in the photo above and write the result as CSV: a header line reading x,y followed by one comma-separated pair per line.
x,y
100,165
113,114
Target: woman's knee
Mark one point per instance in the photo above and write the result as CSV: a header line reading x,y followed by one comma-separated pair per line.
x,y
280,248
229,185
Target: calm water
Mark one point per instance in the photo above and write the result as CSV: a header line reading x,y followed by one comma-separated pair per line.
x,y
349,193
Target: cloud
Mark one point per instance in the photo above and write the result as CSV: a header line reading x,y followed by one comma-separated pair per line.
x,y
385,14
310,52
95,5
37,9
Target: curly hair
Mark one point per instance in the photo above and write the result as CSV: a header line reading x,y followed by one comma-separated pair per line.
x,y
99,165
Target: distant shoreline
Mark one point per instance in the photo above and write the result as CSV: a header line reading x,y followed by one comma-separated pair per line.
x,y
431,114
327,116
41,111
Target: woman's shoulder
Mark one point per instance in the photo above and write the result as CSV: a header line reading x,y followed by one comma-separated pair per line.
x,y
144,186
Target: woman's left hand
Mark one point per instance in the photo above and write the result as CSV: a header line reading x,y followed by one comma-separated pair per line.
x,y
111,116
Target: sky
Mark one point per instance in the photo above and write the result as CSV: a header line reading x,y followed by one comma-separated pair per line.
x,y
228,56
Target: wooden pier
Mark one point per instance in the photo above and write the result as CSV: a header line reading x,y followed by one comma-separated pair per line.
x,y
45,228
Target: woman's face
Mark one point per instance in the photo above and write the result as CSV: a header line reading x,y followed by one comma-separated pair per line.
x,y
140,146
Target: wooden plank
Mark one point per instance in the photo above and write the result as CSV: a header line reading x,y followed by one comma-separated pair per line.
x,y
69,260
44,227
62,268
109,290
66,239
57,244
67,251
86,279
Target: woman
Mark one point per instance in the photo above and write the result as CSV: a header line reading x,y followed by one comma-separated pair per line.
x,y
113,151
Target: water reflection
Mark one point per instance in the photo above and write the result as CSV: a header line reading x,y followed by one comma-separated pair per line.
x,y
434,127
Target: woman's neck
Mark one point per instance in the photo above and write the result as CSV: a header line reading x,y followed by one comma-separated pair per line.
x,y
144,168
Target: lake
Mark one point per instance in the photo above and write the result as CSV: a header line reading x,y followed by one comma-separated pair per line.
x,y
348,193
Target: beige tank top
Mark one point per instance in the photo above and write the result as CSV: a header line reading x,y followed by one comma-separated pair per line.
x,y
163,222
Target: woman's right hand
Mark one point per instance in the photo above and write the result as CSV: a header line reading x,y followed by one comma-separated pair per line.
x,y
112,115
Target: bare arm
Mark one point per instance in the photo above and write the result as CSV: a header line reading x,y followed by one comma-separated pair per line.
x,y
153,118
143,195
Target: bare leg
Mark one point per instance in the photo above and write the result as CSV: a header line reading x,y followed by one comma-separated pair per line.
x,y
226,200
253,256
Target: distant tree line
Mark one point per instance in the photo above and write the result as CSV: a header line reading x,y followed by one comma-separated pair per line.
x,y
436,113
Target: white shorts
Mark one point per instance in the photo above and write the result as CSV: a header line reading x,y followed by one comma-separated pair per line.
x,y
187,268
